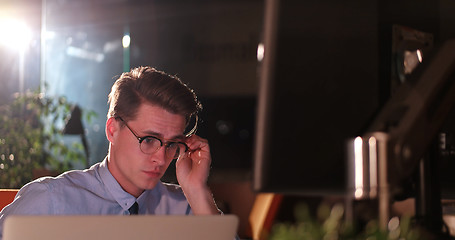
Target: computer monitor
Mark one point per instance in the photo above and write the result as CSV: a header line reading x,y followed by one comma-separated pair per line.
x,y
318,86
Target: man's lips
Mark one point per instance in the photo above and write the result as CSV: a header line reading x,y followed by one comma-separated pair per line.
x,y
154,174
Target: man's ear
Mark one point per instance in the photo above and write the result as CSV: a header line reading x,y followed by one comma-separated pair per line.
x,y
112,127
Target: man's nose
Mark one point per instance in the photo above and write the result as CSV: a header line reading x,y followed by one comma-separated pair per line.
x,y
159,156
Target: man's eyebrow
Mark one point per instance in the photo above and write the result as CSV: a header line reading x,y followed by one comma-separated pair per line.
x,y
179,137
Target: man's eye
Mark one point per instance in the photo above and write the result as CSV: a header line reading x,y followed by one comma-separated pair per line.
x,y
150,140
172,145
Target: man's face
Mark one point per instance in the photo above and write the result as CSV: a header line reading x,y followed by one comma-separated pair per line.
x,y
134,170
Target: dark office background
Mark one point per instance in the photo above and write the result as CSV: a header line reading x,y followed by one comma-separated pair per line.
x,y
75,50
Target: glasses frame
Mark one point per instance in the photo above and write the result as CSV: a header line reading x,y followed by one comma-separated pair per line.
x,y
194,129
162,143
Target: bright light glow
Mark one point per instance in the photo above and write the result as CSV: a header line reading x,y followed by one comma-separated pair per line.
x,y
372,142
14,34
358,155
260,52
358,193
419,55
126,41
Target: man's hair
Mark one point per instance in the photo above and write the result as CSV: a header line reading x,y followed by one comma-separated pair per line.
x,y
148,85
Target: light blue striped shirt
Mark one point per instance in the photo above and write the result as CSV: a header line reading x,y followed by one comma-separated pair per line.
x,y
92,191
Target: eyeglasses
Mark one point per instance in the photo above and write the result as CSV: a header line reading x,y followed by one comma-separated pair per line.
x,y
151,144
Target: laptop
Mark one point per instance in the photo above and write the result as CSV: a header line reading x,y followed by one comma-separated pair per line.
x,y
113,227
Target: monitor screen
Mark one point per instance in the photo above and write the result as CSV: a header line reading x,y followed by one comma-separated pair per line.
x,y
318,87
326,71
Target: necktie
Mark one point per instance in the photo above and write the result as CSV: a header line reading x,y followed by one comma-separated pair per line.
x,y
134,209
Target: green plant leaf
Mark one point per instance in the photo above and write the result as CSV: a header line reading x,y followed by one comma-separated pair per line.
x,y
31,133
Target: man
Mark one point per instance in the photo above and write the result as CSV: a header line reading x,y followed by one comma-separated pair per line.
x,y
148,114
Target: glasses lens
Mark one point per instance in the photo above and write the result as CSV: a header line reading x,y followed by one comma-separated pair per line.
x,y
150,145
175,150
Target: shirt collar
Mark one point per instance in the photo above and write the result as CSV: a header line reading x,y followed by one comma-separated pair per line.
x,y
123,198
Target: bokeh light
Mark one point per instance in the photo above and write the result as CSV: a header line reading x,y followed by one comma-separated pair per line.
x,y
14,34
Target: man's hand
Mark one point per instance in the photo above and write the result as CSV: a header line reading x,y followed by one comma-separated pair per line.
x,y
193,168
192,171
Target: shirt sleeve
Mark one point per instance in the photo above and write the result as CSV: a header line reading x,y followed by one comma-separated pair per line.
x,y
33,199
